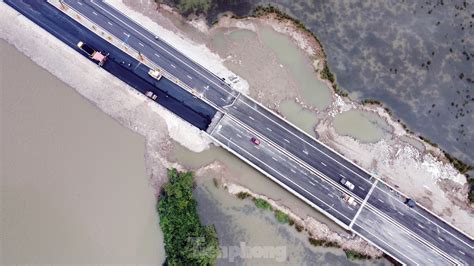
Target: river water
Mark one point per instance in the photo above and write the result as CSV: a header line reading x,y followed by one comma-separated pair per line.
x,y
73,183
417,57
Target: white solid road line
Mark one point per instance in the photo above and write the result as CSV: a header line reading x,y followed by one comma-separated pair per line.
x,y
402,254
363,203
384,191
162,48
409,231
311,144
428,220
278,172
313,195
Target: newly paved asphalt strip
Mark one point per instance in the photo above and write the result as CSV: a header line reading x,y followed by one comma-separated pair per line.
x,y
68,31
298,161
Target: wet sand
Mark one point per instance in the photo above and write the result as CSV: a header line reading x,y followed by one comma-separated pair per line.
x,y
74,187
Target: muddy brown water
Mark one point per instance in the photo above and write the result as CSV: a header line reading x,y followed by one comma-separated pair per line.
x,y
361,125
74,188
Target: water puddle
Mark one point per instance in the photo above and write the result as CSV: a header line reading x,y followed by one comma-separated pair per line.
x,y
361,125
242,35
315,92
240,224
299,116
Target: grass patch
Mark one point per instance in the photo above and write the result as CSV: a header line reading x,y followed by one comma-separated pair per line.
x,y
354,255
282,217
243,195
327,74
187,241
262,204
186,7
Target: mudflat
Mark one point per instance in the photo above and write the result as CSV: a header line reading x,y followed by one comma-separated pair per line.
x,y
74,187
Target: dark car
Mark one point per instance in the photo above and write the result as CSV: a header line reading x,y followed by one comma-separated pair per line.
x,y
86,48
410,203
255,141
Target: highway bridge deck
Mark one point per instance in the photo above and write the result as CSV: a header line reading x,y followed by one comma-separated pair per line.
x,y
290,157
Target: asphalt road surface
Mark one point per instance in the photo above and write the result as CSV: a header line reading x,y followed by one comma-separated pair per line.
x,y
68,31
290,157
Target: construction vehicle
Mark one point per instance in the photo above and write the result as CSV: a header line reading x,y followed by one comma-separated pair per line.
x,y
156,74
93,54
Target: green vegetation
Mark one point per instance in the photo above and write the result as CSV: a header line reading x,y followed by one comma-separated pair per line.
x,y
187,7
323,243
282,217
262,204
187,241
327,74
354,255
243,195
470,195
371,101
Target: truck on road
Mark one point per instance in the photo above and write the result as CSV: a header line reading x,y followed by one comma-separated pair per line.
x,y
93,54
349,200
156,74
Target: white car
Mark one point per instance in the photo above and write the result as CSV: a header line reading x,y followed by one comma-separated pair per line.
x,y
347,183
156,74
